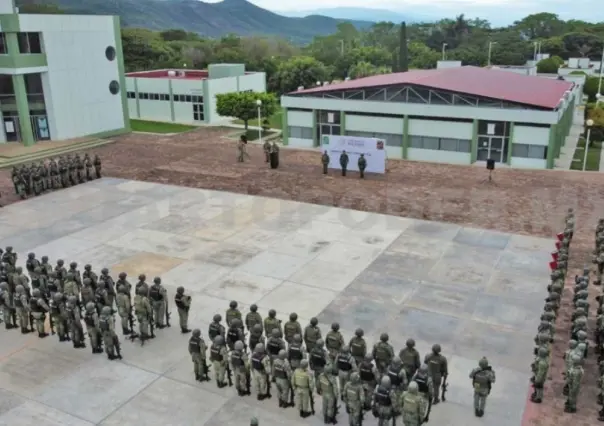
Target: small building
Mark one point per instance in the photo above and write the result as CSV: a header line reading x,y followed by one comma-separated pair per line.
x,y
459,115
61,76
187,96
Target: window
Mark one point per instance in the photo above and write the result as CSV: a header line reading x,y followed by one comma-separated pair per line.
x,y
110,53
298,132
329,117
440,144
131,95
188,98
498,128
198,112
33,83
3,49
522,150
181,98
114,87
156,96
197,99
144,96
29,43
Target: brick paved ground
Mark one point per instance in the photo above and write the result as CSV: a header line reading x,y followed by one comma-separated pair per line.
x,y
523,202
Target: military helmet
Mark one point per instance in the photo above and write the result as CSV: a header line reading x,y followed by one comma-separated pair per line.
x,y
219,340
44,259
31,255
36,293
106,310
253,421
543,352
73,265
86,281
368,358
304,363
396,361
157,280
436,348
359,332
104,271
572,343
236,323
90,306
87,267
73,300
197,332
410,343
122,275
576,359
293,316
141,277
58,297
254,308
354,377
257,328
319,343
259,348
423,368
275,333
413,387
233,305
582,335
239,345
282,354
314,321
385,381
217,318
19,270
180,290
20,288
384,337
335,326
3,285
345,349
272,313
483,363
297,338
9,249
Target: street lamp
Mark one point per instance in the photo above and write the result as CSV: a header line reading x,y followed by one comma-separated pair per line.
x,y
491,43
588,123
445,51
259,105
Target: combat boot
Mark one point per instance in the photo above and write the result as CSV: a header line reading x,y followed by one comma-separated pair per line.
x,y
601,415
42,335
302,414
476,412
24,330
565,390
334,421
261,397
125,331
207,378
240,392
436,400
10,326
111,357
326,419
281,404
220,384
184,330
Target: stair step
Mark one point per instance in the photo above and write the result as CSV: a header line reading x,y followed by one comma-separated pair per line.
x,y
40,155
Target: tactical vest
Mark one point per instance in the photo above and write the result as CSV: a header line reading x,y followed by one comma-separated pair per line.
x,y
231,314
422,384
99,297
17,300
52,286
352,394
257,364
35,306
325,383
382,397
104,324
2,301
274,347
54,308
434,366
195,345
89,319
279,369
317,359
178,300
357,349
290,329
410,404
216,353
70,312
233,335
30,265
311,334
254,340
332,342
295,353
408,358
344,363
236,359
482,379
366,372
395,378
214,330
155,294
381,352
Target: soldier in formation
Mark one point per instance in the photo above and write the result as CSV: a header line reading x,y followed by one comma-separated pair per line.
x,y
52,174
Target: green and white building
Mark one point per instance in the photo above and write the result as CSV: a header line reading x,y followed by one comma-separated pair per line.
x,y
61,76
458,115
187,96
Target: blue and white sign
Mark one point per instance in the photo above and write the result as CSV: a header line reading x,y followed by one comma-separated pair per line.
x,y
373,148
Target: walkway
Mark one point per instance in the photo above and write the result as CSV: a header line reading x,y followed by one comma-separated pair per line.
x,y
567,152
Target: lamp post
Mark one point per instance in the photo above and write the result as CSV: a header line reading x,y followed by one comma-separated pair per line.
x,y
259,105
444,51
599,95
588,123
491,43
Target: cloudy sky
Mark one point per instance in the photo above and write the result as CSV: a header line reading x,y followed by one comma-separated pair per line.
x,y
500,11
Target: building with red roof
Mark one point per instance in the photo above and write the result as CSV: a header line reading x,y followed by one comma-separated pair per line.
x,y
456,115
187,96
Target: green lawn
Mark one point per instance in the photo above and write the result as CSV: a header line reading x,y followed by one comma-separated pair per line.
x,y
158,127
253,135
275,120
593,156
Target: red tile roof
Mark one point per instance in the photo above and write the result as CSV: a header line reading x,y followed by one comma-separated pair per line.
x,y
488,83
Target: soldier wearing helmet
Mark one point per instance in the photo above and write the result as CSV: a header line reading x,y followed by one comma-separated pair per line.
x,y
252,318
312,333
232,313
483,378
358,346
157,296
438,367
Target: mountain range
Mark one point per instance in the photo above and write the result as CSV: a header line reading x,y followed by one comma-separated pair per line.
x,y
208,19
356,14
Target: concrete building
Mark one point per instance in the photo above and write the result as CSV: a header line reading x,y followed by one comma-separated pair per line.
x,y
457,115
61,76
187,96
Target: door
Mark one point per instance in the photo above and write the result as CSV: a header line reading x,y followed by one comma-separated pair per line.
x,y
482,153
491,147
496,149
11,128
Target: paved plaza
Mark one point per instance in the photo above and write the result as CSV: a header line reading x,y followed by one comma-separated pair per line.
x,y
475,292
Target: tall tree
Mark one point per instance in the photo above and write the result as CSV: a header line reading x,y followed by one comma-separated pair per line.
x,y
403,53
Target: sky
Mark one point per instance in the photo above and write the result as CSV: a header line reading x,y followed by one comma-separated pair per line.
x,y
496,11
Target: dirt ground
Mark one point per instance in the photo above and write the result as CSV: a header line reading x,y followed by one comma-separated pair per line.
x,y
518,201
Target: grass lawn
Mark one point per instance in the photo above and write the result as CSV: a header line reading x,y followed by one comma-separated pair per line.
x,y
158,127
253,135
275,120
593,156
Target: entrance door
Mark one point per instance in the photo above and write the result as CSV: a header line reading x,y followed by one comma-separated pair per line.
x,y
491,147
11,128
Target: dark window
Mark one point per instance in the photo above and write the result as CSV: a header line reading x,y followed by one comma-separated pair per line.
x,y
188,98
33,83
144,96
195,108
3,49
440,144
156,96
175,98
196,116
329,117
23,42
114,87
131,95
182,98
194,99
110,53
35,46
522,150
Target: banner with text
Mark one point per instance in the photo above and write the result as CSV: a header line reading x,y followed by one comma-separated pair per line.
x,y
373,148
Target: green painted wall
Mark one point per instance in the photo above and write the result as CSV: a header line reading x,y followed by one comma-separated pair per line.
x,y
26,132
315,142
119,57
405,136
551,149
137,100
510,144
474,151
342,123
284,127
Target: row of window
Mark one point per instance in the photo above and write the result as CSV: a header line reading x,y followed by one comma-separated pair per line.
x,y
440,144
523,150
389,138
29,43
298,132
165,97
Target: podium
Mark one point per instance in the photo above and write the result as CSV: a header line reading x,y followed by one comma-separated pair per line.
x,y
274,160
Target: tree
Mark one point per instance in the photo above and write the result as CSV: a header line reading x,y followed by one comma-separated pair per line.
x,y
145,50
243,105
540,25
366,69
421,56
403,55
42,9
590,88
548,66
299,71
